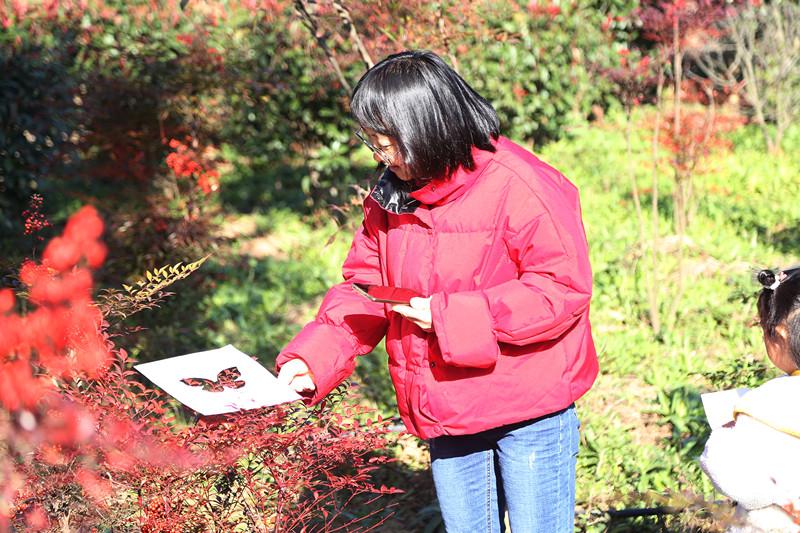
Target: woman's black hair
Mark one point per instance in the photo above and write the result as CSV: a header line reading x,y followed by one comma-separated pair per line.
x,y
779,303
432,113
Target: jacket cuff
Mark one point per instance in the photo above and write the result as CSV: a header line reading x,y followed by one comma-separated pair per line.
x,y
318,345
464,328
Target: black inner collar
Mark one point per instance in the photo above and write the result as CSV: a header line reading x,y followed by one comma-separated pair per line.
x,y
394,194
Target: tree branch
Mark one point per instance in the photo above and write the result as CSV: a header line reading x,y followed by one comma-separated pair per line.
x,y
347,21
302,8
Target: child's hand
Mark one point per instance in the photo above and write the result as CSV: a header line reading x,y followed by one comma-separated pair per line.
x,y
418,312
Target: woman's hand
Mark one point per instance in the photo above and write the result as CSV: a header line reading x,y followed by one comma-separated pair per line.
x,y
418,312
296,374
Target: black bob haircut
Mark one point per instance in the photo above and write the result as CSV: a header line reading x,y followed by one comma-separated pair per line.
x,y
432,113
781,305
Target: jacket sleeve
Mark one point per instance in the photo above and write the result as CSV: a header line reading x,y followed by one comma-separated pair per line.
x,y
346,324
546,241
740,462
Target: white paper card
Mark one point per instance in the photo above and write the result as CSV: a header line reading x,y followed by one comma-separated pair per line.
x,y
719,406
260,387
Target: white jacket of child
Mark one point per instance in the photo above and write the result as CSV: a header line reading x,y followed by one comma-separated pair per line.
x,y
757,461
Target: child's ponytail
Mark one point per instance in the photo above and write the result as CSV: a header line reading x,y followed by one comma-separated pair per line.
x,y
768,279
779,303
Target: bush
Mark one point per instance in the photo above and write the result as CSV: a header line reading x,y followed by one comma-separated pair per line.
x,y
536,65
37,122
87,445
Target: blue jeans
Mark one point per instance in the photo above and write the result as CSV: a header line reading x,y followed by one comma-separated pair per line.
x,y
527,468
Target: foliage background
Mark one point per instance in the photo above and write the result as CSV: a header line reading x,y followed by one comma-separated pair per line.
x,y
92,93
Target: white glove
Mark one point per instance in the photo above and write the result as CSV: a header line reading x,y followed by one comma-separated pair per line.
x,y
296,374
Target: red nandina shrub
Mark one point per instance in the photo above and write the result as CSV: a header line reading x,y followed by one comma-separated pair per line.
x,y
87,445
186,162
35,221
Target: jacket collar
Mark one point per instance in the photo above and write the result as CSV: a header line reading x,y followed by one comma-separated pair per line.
x,y
394,194
444,190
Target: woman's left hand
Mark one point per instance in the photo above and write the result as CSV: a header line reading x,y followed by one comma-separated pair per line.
x,y
418,312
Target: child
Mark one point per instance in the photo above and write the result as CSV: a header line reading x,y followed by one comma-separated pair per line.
x,y
756,459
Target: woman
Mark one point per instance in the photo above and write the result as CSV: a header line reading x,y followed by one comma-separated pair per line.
x,y
487,365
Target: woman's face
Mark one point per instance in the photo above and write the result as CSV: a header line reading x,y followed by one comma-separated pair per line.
x,y
390,153
778,350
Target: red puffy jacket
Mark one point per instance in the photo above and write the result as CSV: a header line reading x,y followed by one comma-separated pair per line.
x,y
502,251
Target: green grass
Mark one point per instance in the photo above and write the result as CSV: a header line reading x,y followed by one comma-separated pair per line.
x,y
747,214
643,424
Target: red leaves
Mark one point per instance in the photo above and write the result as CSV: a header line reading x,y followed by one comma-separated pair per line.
x,y
690,22
383,489
80,241
95,253
186,163
792,511
634,81
97,488
62,254
6,300
85,225
701,134
36,518
73,413
67,424
19,389
208,181
41,352
547,9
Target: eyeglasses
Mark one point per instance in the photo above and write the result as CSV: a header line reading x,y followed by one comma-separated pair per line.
x,y
380,151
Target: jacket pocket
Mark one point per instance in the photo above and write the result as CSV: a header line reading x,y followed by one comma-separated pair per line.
x,y
399,376
430,399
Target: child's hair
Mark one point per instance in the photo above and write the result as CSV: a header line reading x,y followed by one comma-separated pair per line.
x,y
779,303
